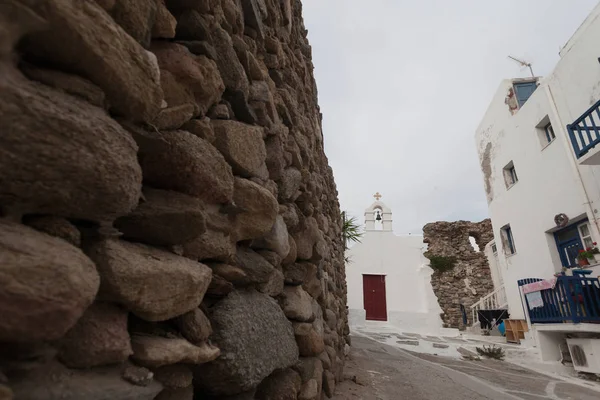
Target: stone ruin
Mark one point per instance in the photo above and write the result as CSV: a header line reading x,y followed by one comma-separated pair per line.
x,y
170,226
470,279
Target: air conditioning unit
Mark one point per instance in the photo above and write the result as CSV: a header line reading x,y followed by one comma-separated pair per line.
x,y
585,354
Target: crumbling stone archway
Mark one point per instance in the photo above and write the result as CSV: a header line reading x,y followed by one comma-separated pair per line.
x,y
470,278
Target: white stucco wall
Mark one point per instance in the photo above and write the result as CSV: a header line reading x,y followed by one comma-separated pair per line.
x,y
411,302
551,181
497,274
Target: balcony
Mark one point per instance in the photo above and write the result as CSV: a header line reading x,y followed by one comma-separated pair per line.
x,y
574,299
584,133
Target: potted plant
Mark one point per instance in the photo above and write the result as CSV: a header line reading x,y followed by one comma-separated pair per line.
x,y
588,254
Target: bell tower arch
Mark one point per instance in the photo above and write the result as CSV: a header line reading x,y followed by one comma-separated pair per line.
x,y
378,217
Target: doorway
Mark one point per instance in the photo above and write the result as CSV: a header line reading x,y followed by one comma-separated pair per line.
x,y
374,297
568,243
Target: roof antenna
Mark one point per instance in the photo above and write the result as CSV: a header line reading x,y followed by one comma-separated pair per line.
x,y
523,64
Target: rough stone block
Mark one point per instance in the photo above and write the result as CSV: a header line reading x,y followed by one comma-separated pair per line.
x,y
276,240
45,285
55,382
201,128
295,274
274,287
100,337
312,284
164,218
219,287
154,351
247,358
55,226
255,267
328,384
186,393
196,73
185,163
306,238
211,245
203,6
243,147
280,385
259,210
84,38
165,24
309,391
174,376
136,17
309,336
297,304
154,284
174,117
253,16
192,26
55,138
17,20
68,83
194,326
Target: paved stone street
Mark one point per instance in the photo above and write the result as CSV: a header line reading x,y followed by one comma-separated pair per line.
x,y
381,372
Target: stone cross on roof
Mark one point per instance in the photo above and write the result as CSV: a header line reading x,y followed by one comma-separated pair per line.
x,y
377,196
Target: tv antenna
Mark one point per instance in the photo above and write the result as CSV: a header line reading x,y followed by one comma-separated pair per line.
x,y
523,64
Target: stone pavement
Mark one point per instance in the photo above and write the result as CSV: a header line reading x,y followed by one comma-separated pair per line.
x,y
382,372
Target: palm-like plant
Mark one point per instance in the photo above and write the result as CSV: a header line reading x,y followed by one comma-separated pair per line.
x,y
350,232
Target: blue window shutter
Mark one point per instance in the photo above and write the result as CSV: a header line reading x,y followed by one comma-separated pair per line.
x,y
524,91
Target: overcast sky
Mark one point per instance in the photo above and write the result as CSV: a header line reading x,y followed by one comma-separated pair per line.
x,y
403,84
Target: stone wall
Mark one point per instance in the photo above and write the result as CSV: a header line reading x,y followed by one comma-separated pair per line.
x,y
170,226
470,279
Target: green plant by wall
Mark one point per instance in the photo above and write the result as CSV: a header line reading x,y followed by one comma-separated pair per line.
x,y
351,232
441,263
492,351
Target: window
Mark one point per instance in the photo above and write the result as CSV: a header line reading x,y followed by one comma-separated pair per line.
x,y
549,131
586,235
523,91
510,175
508,241
545,132
494,249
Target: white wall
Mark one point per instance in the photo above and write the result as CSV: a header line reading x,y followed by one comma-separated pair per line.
x,y
497,274
548,176
410,298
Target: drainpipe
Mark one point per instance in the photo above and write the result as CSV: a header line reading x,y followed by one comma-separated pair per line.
x,y
573,160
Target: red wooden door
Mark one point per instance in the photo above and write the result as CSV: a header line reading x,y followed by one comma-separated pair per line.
x,y
374,297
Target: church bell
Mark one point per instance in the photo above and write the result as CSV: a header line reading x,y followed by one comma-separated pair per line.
x,y
378,217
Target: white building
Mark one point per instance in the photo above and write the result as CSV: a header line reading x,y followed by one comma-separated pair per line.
x,y
540,158
389,278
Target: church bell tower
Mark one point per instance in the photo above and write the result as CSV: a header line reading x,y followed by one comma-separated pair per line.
x,y
378,217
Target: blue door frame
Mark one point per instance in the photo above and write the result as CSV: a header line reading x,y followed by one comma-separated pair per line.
x,y
568,243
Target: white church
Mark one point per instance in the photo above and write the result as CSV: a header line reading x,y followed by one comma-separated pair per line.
x,y
389,278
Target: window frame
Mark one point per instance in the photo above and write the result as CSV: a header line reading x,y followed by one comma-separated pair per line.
x,y
508,241
523,85
510,175
584,237
550,134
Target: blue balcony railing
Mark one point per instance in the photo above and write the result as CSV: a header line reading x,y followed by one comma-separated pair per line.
x,y
584,132
574,299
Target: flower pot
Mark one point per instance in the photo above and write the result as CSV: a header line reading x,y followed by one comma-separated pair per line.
x,y
583,262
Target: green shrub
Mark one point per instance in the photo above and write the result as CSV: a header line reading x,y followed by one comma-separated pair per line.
x,y
492,351
441,263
